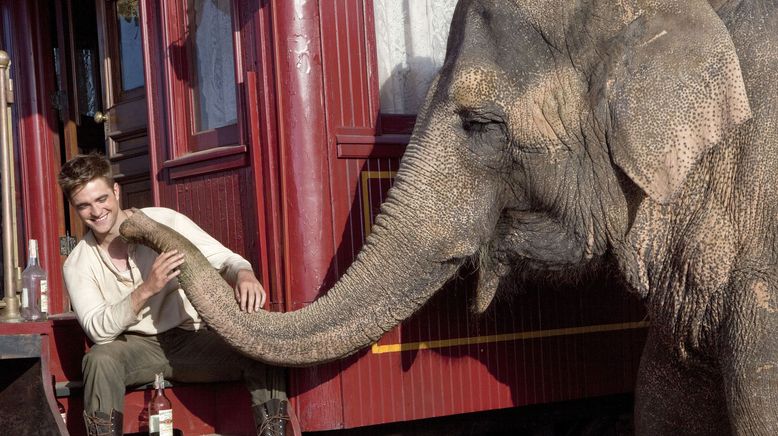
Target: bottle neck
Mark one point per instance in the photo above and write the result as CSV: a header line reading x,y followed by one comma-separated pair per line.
x,y
32,250
159,383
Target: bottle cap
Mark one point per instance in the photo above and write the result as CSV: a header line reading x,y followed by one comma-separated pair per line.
x,y
33,248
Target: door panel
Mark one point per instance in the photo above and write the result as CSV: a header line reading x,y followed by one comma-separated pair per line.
x,y
125,114
137,192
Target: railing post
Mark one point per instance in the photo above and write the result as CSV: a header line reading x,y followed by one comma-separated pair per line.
x,y
10,311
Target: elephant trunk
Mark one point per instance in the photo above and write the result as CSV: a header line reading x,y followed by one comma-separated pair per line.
x,y
371,298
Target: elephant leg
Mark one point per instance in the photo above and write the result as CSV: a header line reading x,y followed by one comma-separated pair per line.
x,y
749,361
752,399
674,400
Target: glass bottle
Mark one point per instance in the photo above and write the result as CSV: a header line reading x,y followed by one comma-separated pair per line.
x,y
62,411
60,407
160,410
35,295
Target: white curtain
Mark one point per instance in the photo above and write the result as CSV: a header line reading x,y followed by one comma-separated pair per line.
x,y
411,45
211,23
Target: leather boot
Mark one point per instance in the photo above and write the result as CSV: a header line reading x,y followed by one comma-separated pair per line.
x,y
273,418
104,424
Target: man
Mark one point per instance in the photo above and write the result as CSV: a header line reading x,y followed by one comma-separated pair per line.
x,y
128,301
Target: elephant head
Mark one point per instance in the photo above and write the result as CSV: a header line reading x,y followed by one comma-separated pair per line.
x,y
549,127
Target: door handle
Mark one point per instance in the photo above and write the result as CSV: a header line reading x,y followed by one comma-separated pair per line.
x,y
100,117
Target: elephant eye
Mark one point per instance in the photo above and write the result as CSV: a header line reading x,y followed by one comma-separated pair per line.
x,y
487,135
474,126
475,122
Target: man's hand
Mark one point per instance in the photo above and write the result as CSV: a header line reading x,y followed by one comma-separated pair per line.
x,y
164,269
249,292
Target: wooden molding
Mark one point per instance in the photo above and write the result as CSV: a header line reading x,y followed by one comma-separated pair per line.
x,y
371,147
207,161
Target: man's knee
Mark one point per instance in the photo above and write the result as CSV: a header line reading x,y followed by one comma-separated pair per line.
x,y
101,359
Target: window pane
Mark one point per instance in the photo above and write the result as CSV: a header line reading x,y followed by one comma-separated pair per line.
x,y
411,45
210,26
129,44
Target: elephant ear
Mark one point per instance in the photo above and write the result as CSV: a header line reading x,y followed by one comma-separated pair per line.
x,y
674,92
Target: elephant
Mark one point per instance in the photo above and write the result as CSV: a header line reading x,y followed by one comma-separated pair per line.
x,y
639,136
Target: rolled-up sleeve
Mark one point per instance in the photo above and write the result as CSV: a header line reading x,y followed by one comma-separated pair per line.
x,y
219,256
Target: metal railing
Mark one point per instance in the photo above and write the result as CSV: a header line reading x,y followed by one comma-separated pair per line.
x,y
11,270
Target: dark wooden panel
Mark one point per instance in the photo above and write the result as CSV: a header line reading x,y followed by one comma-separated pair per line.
x,y
128,167
125,146
131,117
136,194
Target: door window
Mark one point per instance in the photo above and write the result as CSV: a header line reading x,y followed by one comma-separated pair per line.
x,y
131,58
202,62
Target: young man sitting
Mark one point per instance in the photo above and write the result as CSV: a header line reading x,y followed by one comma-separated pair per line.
x,y
128,301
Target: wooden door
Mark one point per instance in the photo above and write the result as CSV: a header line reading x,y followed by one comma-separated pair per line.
x,y
124,114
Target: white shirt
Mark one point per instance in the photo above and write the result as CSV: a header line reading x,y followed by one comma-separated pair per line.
x,y
100,293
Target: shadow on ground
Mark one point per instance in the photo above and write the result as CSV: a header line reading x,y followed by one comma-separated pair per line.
x,y
607,416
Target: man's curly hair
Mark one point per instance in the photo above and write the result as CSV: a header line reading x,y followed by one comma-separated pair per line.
x,y
82,169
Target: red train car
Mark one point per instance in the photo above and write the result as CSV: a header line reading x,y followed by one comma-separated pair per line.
x,y
278,125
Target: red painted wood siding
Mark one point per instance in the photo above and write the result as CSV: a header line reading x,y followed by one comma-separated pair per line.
x,y
350,103
220,204
543,345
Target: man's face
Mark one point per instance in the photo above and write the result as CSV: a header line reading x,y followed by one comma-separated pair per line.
x,y
98,206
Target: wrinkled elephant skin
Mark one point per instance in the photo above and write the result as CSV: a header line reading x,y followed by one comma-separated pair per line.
x,y
562,135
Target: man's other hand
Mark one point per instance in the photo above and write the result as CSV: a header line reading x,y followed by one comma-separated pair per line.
x,y
164,269
249,292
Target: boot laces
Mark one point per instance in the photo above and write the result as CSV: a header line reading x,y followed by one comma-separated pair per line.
x,y
272,424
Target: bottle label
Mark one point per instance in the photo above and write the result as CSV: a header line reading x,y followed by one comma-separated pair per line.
x,y
45,303
166,422
25,298
154,424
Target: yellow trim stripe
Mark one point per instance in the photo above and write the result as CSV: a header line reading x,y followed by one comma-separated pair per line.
x,y
396,348
366,176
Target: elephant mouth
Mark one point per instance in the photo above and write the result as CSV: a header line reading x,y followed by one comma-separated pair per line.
x,y
538,241
527,245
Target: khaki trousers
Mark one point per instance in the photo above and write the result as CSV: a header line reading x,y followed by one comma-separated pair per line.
x,y
181,355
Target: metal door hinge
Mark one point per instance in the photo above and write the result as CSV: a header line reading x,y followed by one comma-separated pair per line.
x,y
66,244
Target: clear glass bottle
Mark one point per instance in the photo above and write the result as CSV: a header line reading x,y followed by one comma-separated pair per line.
x,y
62,411
60,407
160,410
35,289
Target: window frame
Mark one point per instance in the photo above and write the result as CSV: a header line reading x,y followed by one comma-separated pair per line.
x,y
113,50
386,123
179,65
